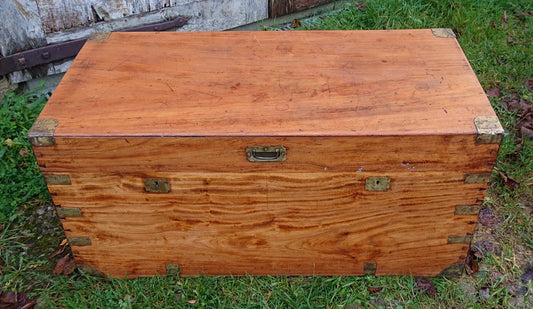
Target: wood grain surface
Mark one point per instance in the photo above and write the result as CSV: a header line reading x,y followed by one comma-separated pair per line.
x,y
346,105
284,83
268,223
304,154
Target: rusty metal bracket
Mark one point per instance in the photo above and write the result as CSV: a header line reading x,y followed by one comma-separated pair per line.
x,y
55,52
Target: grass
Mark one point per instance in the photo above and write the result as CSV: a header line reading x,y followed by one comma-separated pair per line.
x,y
496,38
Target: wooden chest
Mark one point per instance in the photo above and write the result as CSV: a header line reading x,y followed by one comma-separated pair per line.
x,y
327,153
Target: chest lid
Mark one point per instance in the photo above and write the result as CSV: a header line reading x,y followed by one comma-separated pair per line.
x,y
294,83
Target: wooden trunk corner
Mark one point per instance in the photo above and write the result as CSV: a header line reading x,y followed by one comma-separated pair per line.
x,y
42,132
453,271
99,36
79,241
489,130
57,179
64,212
443,32
91,271
370,268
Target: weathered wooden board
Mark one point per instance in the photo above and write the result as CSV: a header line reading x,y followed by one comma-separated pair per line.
x,y
20,26
31,24
268,223
283,7
59,15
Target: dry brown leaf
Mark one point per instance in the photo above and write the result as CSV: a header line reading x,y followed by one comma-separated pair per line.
x,y
24,152
296,23
509,182
426,286
504,17
487,218
15,300
471,265
374,289
494,92
65,265
361,6
192,301
62,247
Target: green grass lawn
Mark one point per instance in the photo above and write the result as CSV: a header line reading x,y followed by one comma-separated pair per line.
x,y
496,38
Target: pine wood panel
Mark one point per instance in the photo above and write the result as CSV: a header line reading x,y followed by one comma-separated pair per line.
x,y
268,223
319,83
317,154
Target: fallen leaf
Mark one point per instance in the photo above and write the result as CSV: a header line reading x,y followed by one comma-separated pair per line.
x,y
487,218
471,265
484,247
361,6
529,83
62,247
296,23
374,289
494,92
509,182
426,286
525,131
12,300
523,14
65,265
24,152
521,106
510,40
192,301
484,293
504,17
527,276
9,142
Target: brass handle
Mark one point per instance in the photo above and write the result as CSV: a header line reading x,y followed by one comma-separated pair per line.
x,y
266,153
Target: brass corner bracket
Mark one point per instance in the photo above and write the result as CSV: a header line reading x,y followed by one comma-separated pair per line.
x,y
79,241
64,212
369,268
459,239
489,130
453,271
443,32
477,178
99,36
42,132
91,271
377,184
57,179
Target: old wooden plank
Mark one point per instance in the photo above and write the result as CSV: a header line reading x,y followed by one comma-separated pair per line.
x,y
57,15
204,15
20,26
283,7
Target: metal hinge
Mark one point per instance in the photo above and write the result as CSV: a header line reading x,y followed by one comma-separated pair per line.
x,y
55,52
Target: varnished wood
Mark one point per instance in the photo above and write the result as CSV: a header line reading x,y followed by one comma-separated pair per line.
x,y
348,107
268,223
310,154
293,83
